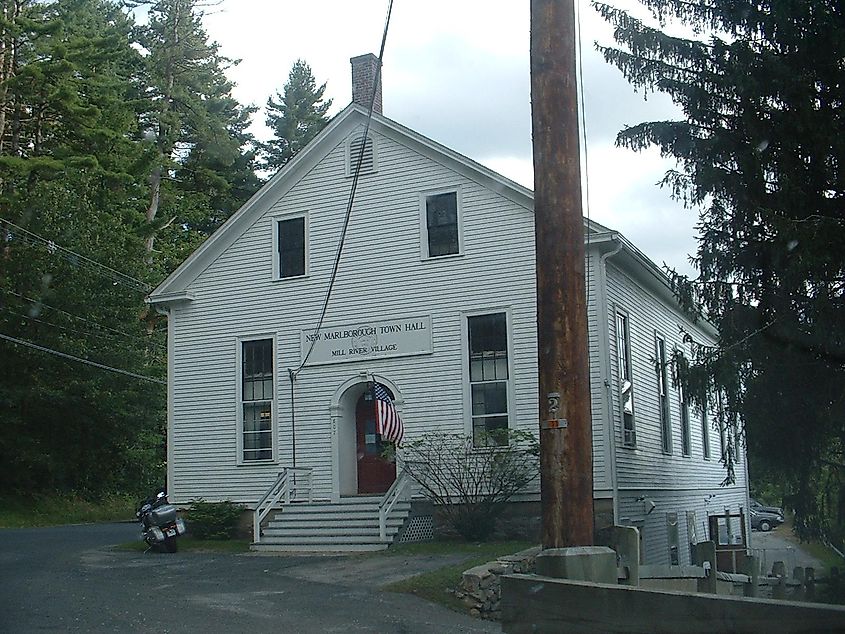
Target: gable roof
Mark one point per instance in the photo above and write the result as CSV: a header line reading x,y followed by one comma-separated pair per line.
x,y
174,287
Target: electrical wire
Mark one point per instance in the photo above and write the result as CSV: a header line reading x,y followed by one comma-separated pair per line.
x,y
71,357
76,258
351,200
582,108
83,319
292,373
69,329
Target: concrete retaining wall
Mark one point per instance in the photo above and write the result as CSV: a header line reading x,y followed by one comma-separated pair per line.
x,y
542,604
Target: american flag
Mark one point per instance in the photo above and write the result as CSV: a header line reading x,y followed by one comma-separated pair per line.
x,y
387,418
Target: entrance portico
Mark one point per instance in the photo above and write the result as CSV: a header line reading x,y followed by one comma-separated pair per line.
x,y
356,460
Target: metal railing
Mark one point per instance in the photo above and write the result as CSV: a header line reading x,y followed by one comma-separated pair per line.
x,y
400,490
285,486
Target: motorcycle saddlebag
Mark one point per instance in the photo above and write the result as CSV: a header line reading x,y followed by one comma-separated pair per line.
x,y
163,515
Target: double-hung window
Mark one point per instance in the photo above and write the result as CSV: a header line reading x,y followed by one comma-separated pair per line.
x,y
626,385
488,378
256,407
441,223
663,394
684,403
291,247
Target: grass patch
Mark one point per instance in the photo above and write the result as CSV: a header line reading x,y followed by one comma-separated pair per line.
x,y
434,585
54,510
192,544
825,555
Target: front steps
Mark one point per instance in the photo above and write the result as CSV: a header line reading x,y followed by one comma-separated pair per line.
x,y
351,525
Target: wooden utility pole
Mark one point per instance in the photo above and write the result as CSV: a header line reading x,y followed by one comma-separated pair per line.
x,y
566,462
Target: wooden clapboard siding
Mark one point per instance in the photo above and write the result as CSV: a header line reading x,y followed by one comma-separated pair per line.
x,y
382,275
228,293
647,465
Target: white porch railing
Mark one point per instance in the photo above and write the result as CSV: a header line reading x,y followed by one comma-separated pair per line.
x,y
285,486
401,489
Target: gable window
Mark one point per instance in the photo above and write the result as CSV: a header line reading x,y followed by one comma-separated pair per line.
x,y
626,386
441,223
256,407
488,378
662,391
682,399
291,247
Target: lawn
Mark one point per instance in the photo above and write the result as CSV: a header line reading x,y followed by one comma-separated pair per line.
x,y
54,510
435,585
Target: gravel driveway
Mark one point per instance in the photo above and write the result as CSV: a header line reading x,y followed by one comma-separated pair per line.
x,y
780,545
67,579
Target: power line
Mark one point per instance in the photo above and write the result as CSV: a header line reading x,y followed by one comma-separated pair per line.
x,y
355,178
83,319
64,355
76,258
75,330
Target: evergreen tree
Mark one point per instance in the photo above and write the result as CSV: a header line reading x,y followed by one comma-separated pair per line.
x,y
295,117
204,169
759,154
72,170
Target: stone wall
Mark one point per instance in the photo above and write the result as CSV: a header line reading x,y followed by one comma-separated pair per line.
x,y
480,587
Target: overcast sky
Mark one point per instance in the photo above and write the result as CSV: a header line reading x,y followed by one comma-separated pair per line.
x,y
457,71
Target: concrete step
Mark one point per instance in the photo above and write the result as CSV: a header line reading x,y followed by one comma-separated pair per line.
x,y
337,532
296,522
291,515
316,548
321,539
347,526
328,507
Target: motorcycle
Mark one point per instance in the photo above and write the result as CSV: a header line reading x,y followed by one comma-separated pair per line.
x,y
160,523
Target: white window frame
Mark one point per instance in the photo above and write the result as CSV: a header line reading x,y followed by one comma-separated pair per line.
x,y
453,189
349,169
664,403
239,410
277,273
619,311
684,411
467,385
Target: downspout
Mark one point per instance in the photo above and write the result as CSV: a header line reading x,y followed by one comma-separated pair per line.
x,y
604,351
166,311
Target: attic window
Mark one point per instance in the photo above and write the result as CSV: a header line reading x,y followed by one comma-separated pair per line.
x,y
368,162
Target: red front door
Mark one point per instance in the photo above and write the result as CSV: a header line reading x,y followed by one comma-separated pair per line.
x,y
375,472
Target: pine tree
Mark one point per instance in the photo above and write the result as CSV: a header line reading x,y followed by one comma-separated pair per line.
x,y
759,153
204,169
73,170
295,117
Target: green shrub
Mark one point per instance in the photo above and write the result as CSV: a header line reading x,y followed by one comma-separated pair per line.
x,y
471,480
214,520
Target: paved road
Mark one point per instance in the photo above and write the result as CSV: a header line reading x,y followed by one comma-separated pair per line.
x,y
66,579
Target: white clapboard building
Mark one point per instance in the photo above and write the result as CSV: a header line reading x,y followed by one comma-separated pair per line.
x,y
435,298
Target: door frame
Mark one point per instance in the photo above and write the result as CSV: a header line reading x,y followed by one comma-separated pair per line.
x,y
342,416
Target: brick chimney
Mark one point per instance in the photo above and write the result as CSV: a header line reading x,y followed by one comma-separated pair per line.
x,y
364,77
